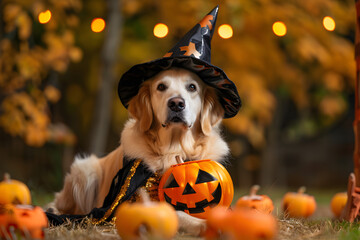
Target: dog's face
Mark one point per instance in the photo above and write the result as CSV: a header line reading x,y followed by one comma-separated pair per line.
x,y
176,98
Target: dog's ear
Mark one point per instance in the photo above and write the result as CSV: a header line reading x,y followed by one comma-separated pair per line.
x,y
212,112
140,108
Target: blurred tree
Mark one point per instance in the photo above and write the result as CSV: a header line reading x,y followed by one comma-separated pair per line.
x,y
108,79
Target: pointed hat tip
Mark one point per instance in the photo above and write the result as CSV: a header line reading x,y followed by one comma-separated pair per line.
x,y
216,8
214,11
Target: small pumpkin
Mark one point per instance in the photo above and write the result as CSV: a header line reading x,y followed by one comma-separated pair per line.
x,y
261,203
29,221
14,191
196,186
146,219
298,204
240,223
338,203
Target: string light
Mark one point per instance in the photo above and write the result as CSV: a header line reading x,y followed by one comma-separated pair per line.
x,y
97,25
161,30
329,23
225,31
44,17
279,28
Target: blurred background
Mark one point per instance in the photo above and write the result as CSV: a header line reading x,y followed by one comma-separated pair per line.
x,y
292,62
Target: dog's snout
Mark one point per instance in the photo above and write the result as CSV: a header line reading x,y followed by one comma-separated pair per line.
x,y
176,104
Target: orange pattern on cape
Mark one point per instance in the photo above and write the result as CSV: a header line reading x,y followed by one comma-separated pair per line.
x,y
169,54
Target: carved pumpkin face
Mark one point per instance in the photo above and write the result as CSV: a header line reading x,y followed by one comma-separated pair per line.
x,y
196,186
261,203
24,218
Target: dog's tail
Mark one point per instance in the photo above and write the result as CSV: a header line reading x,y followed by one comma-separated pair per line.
x,y
81,187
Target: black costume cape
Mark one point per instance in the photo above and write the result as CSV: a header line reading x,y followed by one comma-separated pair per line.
x,y
125,183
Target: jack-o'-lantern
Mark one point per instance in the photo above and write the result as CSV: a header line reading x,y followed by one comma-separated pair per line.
x,y
240,223
146,220
338,202
261,203
28,221
14,191
298,204
196,186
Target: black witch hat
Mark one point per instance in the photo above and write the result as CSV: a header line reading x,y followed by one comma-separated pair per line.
x,y
193,53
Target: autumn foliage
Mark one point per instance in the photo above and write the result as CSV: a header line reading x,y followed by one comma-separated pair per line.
x,y
31,54
309,66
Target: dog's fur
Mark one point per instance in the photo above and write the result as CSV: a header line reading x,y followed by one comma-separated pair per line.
x,y
156,134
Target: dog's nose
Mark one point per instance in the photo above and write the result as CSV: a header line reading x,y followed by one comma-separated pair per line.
x,y
176,104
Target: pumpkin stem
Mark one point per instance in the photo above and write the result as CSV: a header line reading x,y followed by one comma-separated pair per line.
x,y
6,177
302,189
254,189
178,159
143,231
144,196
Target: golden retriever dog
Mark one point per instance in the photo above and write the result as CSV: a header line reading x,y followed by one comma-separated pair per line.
x,y
174,114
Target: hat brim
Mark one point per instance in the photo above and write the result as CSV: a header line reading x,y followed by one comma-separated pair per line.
x,y
215,77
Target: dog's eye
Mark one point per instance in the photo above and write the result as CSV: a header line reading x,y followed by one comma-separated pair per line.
x,y
161,87
192,88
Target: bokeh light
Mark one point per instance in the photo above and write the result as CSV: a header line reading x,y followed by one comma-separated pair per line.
x,y
225,31
44,17
329,23
97,25
279,28
161,30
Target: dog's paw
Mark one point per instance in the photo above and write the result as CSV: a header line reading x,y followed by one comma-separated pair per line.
x,y
191,225
51,208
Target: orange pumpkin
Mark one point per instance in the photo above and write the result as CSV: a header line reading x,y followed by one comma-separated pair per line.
x,y
25,219
196,186
298,204
240,223
13,191
338,203
261,203
147,220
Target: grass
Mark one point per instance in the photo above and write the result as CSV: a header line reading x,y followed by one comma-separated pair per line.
x,y
292,229
320,226
319,229
82,231
348,231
